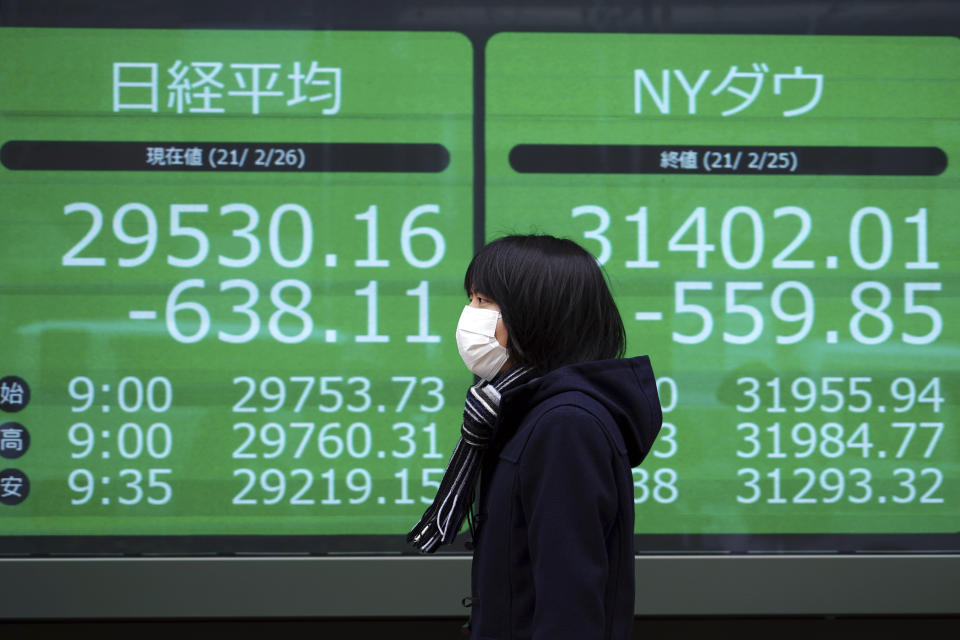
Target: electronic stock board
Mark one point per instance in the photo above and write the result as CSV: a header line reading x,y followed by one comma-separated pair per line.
x,y
233,260
777,218
235,320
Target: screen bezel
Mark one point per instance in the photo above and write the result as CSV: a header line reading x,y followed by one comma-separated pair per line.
x,y
813,574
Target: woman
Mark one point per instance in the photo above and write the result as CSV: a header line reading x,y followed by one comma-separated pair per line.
x,y
556,424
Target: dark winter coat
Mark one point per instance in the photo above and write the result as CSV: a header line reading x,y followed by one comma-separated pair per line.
x,y
554,541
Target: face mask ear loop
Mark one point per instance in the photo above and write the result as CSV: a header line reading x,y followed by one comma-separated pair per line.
x,y
509,341
514,352
511,346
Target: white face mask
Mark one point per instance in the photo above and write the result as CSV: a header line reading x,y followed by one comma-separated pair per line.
x,y
477,342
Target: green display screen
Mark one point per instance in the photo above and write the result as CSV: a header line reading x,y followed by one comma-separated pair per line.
x,y
778,219
233,262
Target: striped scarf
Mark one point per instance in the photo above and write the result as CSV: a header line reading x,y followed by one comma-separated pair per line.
x,y
443,519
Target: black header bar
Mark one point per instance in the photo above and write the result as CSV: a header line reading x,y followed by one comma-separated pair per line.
x,y
335,157
702,159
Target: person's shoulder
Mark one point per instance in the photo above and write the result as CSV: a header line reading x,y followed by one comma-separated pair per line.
x,y
572,405
572,418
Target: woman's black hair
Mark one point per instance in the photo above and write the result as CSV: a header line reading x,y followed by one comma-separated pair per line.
x,y
554,300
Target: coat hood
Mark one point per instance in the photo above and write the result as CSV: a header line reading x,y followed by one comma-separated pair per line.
x,y
625,387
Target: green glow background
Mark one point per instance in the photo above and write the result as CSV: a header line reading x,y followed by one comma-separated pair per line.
x,y
58,322
878,91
